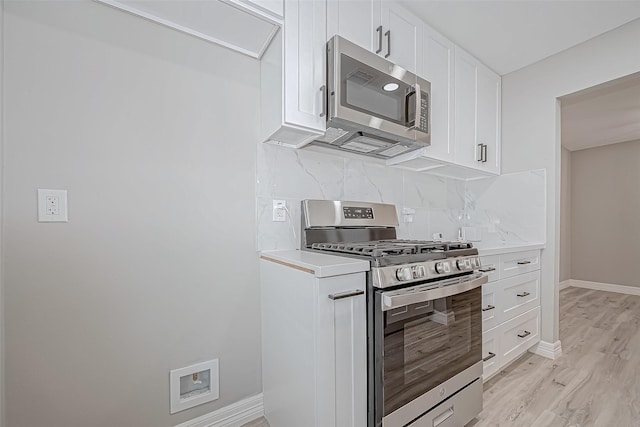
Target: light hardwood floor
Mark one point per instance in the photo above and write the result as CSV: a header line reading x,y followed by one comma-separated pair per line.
x,y
596,382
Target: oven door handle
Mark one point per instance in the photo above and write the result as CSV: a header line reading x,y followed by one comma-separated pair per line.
x,y
393,299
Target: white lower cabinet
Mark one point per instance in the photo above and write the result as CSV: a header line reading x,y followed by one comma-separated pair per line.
x,y
519,334
490,352
314,363
510,308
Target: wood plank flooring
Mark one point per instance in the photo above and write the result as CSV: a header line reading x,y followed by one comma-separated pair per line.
x,y
596,382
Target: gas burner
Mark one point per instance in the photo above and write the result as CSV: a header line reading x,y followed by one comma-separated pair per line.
x,y
383,248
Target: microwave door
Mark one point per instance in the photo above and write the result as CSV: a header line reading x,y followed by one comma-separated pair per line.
x,y
372,93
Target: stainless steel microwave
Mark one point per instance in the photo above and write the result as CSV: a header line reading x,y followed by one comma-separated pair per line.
x,y
374,107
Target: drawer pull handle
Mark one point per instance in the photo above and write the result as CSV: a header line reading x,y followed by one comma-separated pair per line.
x,y
347,294
489,307
524,294
490,356
486,270
526,334
524,262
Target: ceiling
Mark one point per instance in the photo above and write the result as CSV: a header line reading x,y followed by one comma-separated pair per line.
x,y
509,35
605,114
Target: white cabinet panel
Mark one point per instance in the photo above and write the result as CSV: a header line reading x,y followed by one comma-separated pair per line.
x,y
489,117
519,263
402,38
350,340
466,152
477,105
383,27
356,21
491,267
490,353
510,321
304,63
314,362
519,294
519,334
490,306
438,60
293,73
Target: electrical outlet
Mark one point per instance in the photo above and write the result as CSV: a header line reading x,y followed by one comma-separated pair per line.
x,y
52,205
279,211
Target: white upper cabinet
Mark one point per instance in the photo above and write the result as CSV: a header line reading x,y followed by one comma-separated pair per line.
x,y
356,21
438,60
385,28
293,74
477,114
489,112
402,37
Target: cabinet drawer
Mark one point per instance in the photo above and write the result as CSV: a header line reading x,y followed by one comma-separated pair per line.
x,y
491,267
519,334
490,353
518,263
490,306
518,294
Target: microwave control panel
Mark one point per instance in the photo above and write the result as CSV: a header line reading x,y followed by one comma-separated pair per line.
x,y
423,122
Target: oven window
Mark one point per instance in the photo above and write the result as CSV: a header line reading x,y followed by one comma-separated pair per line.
x,y
363,89
425,344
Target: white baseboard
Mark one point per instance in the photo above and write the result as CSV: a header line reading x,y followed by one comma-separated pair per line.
x,y
546,349
565,284
234,415
621,289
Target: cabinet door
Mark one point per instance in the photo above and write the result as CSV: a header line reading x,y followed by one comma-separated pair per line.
x,y
304,63
477,106
356,21
438,60
490,353
466,152
488,116
402,38
342,351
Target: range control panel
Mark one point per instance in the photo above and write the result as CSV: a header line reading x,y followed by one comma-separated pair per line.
x,y
398,274
357,213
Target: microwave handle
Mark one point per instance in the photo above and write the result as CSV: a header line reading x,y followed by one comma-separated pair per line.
x,y
418,92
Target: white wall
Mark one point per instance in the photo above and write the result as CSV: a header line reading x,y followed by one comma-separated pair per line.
x,y
531,132
565,216
141,125
605,213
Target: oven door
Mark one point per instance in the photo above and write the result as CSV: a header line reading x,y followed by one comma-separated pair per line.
x,y
427,345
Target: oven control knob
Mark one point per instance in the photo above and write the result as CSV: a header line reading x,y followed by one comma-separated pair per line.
x,y
439,267
463,264
404,274
418,272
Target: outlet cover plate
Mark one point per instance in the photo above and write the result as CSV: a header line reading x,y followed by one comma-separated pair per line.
x,y
179,400
52,205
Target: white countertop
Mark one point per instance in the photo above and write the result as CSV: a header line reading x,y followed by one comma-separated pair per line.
x,y
495,248
320,265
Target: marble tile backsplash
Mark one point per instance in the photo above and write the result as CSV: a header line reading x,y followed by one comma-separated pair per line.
x,y
500,205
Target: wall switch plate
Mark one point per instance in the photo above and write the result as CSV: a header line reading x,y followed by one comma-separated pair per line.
x,y
279,211
52,205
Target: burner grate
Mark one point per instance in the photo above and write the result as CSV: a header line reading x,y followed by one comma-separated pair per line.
x,y
382,248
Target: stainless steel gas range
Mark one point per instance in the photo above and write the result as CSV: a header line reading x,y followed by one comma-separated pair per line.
x,y
424,322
